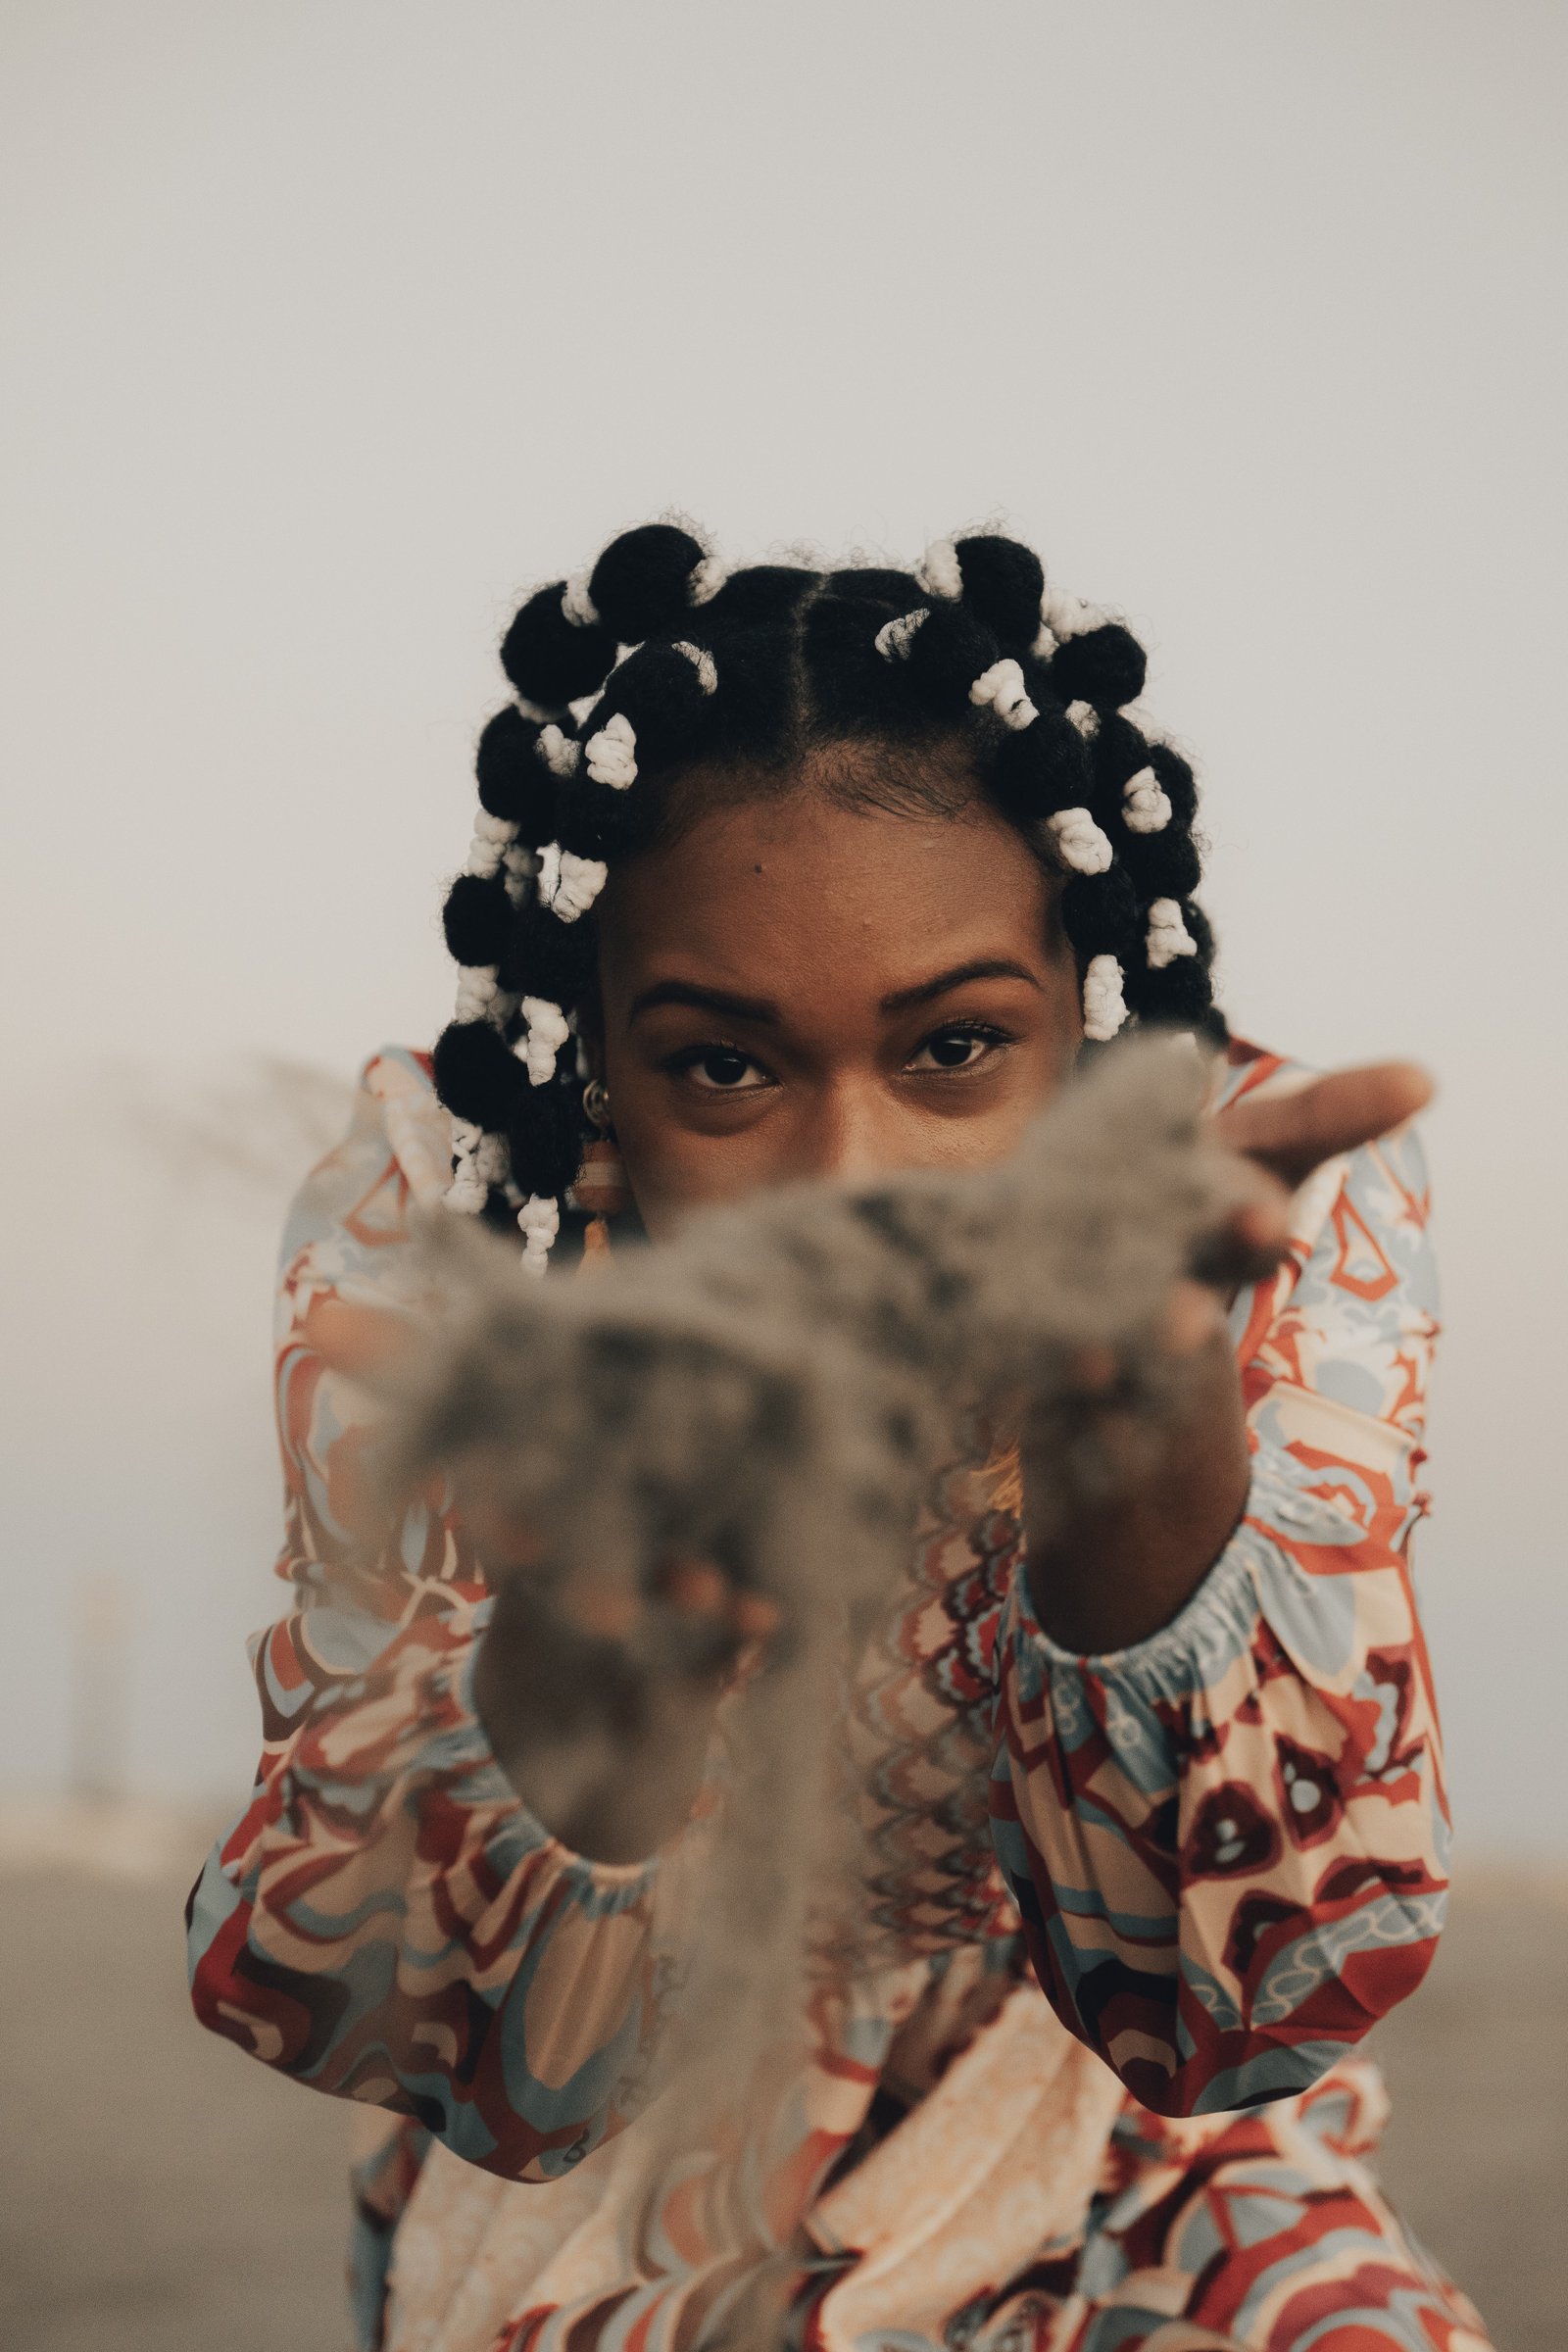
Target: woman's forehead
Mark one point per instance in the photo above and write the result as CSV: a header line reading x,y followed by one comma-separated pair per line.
x,y
802,888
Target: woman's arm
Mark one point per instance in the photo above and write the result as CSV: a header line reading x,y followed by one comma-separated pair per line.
x,y
1228,1838
387,1921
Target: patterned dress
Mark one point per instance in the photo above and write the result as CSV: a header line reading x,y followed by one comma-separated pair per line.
x,y
1103,2094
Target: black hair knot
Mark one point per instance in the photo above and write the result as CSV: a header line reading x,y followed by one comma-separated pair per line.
x,y
1003,583
648,579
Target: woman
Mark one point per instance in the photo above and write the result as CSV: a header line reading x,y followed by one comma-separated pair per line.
x,y
839,873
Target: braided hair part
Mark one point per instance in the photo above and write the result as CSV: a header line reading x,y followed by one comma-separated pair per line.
x,y
656,661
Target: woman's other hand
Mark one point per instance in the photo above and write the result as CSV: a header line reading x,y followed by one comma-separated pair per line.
x,y
598,1696
1110,1568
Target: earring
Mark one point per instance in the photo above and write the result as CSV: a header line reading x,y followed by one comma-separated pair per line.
x,y
601,1185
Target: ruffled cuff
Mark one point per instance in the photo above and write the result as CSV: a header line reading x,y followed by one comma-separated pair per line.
x,y
1217,1624
441,1743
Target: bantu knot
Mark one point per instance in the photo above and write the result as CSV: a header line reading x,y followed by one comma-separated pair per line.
x,y
1163,865
1100,915
1177,783
1004,582
552,660
875,584
477,1075
659,690
945,654
546,1136
1104,666
476,919
513,781
607,820
761,597
1044,768
1120,751
1182,994
853,686
543,956
642,582
754,703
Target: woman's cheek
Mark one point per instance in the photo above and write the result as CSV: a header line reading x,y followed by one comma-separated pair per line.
x,y
672,1171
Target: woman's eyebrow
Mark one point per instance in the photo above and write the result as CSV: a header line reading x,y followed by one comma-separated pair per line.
x,y
705,999
984,967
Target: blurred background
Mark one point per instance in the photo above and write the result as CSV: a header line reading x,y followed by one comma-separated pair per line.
x,y
334,326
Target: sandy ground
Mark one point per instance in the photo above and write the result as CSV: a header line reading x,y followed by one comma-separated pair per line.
x,y
164,2195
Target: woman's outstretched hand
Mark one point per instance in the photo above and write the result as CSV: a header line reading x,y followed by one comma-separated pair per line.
x,y
555,1663
608,1755
1108,1570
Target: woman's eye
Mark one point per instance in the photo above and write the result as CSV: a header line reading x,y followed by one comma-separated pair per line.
x,y
956,1049
723,1069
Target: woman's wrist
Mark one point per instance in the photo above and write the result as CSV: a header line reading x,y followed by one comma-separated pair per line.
x,y
607,1761
1108,1572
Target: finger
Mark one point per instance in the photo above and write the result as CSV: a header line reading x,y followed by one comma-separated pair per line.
x,y
1293,1134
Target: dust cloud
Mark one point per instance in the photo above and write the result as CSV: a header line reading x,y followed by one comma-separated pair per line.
x,y
774,1392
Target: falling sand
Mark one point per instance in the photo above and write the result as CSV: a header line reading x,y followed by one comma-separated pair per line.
x,y
774,1391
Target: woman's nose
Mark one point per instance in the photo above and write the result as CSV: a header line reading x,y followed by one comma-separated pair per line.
x,y
848,1135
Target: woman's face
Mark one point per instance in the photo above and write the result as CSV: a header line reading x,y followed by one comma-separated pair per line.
x,y
793,987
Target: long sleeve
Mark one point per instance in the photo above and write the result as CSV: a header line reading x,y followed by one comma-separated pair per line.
x,y
1228,1842
386,1921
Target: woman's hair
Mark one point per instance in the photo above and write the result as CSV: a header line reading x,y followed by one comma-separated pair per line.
x,y
657,663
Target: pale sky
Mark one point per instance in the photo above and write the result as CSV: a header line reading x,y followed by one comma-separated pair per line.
x,y
336,324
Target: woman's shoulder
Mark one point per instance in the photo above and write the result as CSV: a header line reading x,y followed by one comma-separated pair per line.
x,y
416,1128
349,1223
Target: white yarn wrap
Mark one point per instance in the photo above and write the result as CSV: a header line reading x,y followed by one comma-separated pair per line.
x,y
477,991
1145,802
539,1222
1084,717
1002,687
702,662
1169,935
547,1032
569,884
1046,642
1079,841
492,838
576,603
894,636
466,1194
1105,1006
705,579
1067,615
560,753
940,572
612,753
